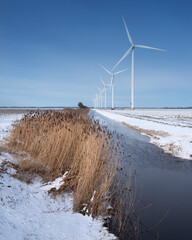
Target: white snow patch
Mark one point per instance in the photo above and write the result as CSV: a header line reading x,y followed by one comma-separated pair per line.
x,y
55,184
167,128
93,196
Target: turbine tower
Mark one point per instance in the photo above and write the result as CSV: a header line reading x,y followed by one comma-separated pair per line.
x,y
105,90
112,82
132,48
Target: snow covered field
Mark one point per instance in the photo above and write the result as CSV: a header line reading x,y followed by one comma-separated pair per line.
x,y
170,129
28,212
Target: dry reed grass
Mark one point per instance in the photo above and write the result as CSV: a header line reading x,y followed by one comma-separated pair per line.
x,y
124,222
51,143
67,140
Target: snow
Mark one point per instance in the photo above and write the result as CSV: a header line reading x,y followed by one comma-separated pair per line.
x,y
6,121
54,184
170,129
28,212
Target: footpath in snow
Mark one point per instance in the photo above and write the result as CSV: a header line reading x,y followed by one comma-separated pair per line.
x,y
28,212
170,129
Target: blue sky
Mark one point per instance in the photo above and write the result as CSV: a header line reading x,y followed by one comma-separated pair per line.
x,y
50,51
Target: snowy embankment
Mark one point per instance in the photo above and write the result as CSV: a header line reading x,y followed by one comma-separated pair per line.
x,y
167,128
28,212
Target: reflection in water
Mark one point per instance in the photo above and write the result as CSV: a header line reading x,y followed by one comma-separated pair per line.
x,y
163,182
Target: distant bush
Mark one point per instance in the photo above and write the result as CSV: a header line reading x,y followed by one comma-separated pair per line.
x,y
80,105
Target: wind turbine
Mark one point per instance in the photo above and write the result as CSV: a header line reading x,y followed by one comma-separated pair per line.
x,y
105,90
96,101
112,82
132,48
101,97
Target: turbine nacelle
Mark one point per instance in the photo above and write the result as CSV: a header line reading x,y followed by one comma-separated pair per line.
x,y
105,85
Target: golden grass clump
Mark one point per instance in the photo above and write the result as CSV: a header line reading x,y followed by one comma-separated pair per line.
x,y
68,140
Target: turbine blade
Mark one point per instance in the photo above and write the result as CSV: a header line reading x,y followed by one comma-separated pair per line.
x,y
105,69
121,71
102,81
142,46
99,89
124,56
129,36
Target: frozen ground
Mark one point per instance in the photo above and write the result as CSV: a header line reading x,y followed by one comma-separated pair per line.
x,y
28,212
6,121
167,128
